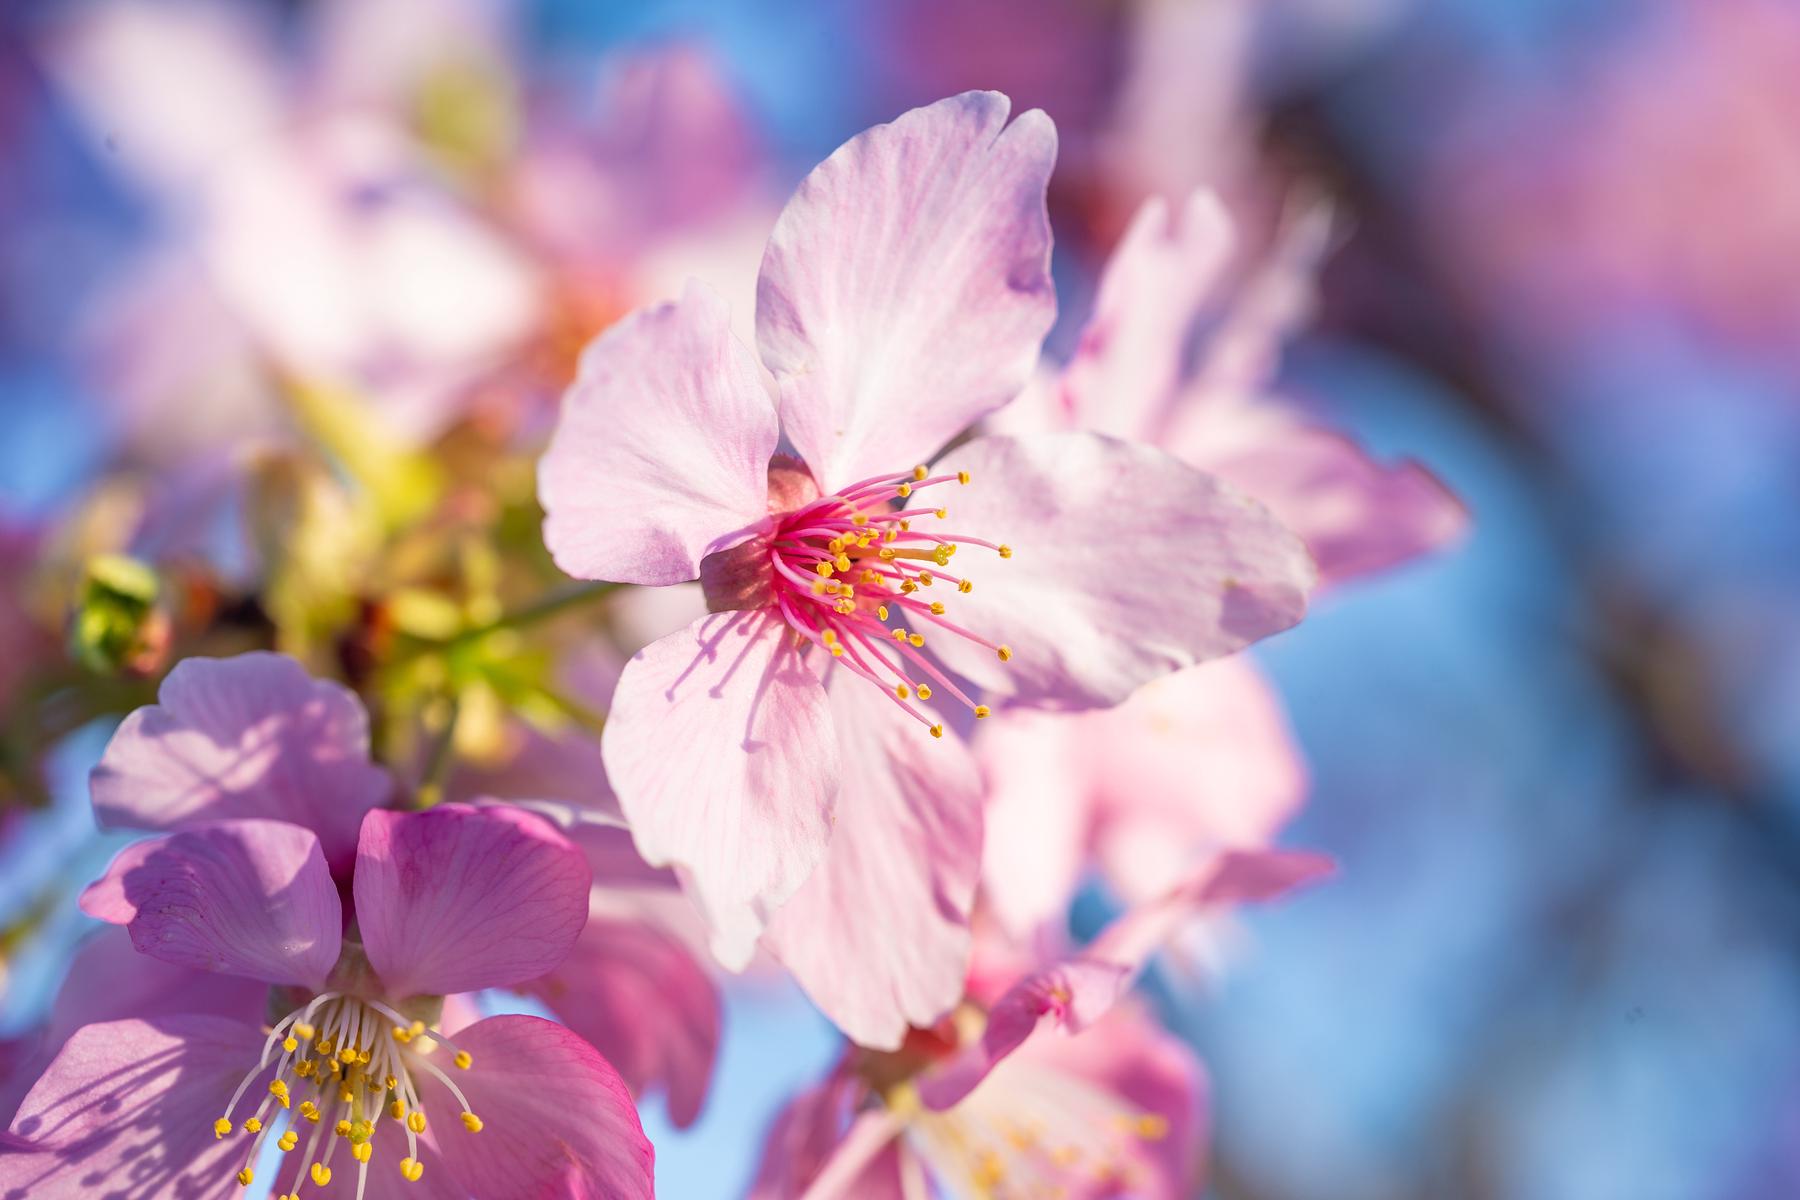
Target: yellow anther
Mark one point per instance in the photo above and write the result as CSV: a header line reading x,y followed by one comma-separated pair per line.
x,y
965,587
349,1056
391,1082
403,1036
829,636
937,731
347,1094
842,562
924,691
824,569
940,513
962,477
361,1131
891,535
304,1032
343,1129
221,1127
362,1150
859,519
819,586
471,1122
917,639
321,1174
881,611
1152,1127
277,1087
415,1121
397,1110
982,710
867,539
245,1177
902,691
937,608
1005,550
289,1044
411,1169
1005,653
919,473
908,586
925,577
288,1141
903,491
323,1046
835,545
253,1125
899,635
885,555
905,525
837,651
309,1110
306,1068
463,1060
990,1171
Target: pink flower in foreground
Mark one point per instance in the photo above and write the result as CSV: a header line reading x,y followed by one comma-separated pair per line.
x,y
256,736
903,296
1001,1100
355,1071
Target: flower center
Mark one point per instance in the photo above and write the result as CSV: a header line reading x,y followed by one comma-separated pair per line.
x,y
1030,1131
845,566
342,1063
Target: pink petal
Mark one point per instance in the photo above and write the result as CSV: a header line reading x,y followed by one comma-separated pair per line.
x,y
127,1109
721,749
1074,994
1127,564
250,736
803,1136
879,936
384,1179
906,287
457,899
1040,814
249,898
558,1121
110,981
1232,877
661,456
1133,352
864,1164
1358,515
638,995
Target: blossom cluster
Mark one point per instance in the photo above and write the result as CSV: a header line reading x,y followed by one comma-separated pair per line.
x,y
891,634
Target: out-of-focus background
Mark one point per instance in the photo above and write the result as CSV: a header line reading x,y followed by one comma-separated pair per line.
x,y
1558,762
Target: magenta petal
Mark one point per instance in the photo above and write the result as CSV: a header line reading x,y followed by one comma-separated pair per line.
x,y
662,453
1126,564
126,1109
1068,996
557,1119
638,995
439,1181
250,736
803,1136
879,936
457,899
720,746
250,898
906,287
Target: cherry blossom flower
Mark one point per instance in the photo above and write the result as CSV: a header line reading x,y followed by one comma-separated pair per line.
x,y
902,297
357,1064
1056,1085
